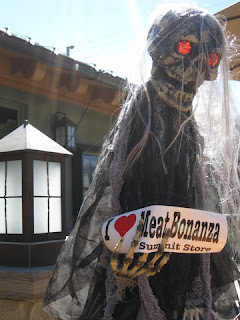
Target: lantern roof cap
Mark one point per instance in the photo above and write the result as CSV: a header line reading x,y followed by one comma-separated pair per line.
x,y
27,137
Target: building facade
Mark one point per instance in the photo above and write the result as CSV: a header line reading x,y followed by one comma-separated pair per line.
x,y
69,101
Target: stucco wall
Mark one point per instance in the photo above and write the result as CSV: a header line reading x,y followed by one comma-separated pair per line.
x,y
39,111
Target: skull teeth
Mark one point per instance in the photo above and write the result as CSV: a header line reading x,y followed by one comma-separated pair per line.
x,y
174,97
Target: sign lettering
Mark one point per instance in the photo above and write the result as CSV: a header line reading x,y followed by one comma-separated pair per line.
x,y
191,230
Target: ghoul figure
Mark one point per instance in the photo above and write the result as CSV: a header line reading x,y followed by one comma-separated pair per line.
x,y
154,155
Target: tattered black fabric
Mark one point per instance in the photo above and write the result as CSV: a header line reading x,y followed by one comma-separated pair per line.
x,y
77,287
168,170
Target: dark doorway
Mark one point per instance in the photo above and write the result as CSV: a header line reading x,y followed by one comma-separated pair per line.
x,y
8,121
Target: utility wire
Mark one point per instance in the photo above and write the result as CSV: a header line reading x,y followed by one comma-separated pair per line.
x,y
86,108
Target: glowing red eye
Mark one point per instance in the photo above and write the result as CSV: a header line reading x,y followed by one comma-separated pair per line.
x,y
212,59
184,47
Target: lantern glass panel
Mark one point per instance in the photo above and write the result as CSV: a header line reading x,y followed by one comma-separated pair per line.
x,y
70,137
60,135
89,165
55,223
14,178
54,179
86,181
2,179
47,197
40,178
14,215
11,197
40,215
2,216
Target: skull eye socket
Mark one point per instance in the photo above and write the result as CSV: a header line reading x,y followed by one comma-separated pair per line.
x,y
212,59
184,47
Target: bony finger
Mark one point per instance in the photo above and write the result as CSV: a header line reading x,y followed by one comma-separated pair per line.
x,y
138,265
191,313
139,229
197,316
135,241
215,315
114,259
118,246
141,271
130,254
164,241
152,271
185,314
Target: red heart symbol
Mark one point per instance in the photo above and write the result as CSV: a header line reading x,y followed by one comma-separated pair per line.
x,y
123,224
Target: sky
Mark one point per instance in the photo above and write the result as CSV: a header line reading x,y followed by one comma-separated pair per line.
x,y
104,33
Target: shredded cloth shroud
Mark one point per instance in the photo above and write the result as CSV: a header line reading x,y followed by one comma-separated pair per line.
x,y
83,285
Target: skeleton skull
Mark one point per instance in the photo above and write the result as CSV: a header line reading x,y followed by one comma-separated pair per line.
x,y
186,48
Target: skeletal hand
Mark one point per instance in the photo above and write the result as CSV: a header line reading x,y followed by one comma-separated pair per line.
x,y
199,314
133,268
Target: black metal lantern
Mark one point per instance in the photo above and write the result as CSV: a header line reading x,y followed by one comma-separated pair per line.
x,y
65,132
32,198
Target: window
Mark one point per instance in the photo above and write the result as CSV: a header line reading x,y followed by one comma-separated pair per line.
x,y
89,165
8,121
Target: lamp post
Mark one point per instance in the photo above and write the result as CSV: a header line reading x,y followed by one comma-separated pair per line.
x,y
32,198
68,50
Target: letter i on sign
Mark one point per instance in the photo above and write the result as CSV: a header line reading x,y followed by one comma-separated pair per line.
x,y
106,230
